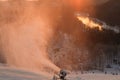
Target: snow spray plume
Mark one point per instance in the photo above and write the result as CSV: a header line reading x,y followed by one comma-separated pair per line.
x,y
95,23
25,30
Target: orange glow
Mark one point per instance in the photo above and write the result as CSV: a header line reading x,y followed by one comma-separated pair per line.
x,y
79,4
89,23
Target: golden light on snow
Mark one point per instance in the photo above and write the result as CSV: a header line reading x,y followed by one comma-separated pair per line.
x,y
89,23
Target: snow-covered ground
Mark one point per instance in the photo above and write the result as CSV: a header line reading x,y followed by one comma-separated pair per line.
x,y
7,73
112,73
95,75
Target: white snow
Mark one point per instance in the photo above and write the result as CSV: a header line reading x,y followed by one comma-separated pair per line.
x,y
95,75
7,73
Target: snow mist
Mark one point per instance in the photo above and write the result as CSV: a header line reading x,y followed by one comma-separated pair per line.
x,y
25,30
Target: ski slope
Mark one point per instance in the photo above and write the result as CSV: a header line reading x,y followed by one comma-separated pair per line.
x,y
94,76
7,73
98,77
